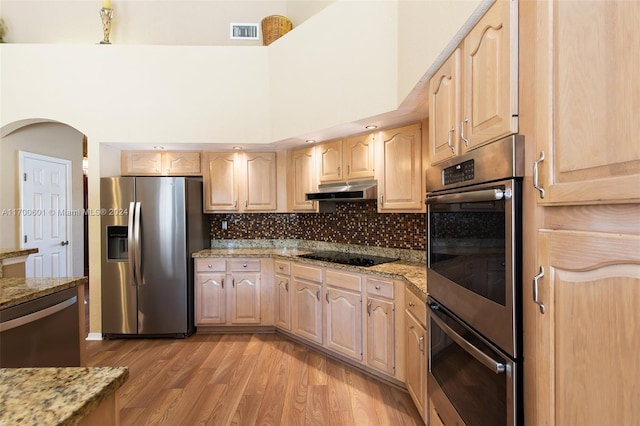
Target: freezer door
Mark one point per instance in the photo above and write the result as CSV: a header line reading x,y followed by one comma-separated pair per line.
x,y
162,290
119,295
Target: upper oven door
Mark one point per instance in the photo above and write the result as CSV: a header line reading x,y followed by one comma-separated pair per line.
x,y
472,267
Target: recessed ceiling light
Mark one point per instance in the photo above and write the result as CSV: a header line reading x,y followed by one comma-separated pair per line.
x,y
237,148
371,127
310,141
158,147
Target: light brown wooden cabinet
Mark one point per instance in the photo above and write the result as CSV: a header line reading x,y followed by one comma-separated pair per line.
x,y
227,292
588,328
581,235
400,177
161,163
490,75
445,109
343,325
346,159
473,97
307,318
283,295
240,182
416,353
303,179
381,323
587,92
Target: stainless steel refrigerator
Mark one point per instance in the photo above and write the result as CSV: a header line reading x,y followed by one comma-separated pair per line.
x,y
150,228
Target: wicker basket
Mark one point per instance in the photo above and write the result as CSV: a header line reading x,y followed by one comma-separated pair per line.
x,y
274,27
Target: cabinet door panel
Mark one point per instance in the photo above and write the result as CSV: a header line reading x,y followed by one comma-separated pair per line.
x,y
210,298
181,163
304,178
307,310
491,76
283,303
245,298
260,182
587,338
587,101
330,161
344,322
141,163
444,110
220,182
359,154
416,361
400,186
380,335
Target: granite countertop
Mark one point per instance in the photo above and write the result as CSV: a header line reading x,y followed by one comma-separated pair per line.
x,y
55,396
413,273
14,291
6,253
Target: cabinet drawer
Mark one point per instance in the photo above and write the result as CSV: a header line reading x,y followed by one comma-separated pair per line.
x,y
283,268
416,306
342,280
240,265
309,273
380,288
210,265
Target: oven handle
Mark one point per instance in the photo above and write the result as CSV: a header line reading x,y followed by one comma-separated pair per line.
x,y
487,361
470,197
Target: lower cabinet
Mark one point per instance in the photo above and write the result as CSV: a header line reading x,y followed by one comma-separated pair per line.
x,y
416,353
434,417
307,310
227,292
344,313
282,295
381,321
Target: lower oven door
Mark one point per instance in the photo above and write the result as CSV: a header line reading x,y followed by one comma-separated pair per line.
x,y
469,381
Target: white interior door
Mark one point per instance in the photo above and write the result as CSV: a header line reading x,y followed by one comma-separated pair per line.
x,y
45,199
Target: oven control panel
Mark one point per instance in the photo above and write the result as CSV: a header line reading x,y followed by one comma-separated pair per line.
x,y
457,173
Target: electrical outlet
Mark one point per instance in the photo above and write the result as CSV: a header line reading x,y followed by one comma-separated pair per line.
x,y
224,225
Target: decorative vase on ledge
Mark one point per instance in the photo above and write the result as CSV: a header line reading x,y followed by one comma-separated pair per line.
x,y
274,27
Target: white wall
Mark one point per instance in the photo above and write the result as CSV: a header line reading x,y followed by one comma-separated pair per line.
x,y
51,139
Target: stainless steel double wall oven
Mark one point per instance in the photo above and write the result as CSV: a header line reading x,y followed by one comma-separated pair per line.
x,y
474,282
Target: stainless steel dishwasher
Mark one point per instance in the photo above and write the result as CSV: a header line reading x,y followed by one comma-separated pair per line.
x,y
43,332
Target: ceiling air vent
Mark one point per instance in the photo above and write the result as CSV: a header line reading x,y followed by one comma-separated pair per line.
x,y
244,31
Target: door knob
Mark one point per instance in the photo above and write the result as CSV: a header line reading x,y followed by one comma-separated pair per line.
x,y
64,243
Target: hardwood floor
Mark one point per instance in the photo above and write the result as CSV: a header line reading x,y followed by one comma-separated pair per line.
x,y
245,379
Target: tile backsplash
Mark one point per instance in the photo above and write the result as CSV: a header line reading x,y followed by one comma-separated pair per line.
x,y
351,223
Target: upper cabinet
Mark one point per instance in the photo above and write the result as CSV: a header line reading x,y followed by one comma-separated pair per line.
x,y
587,99
473,97
302,179
346,160
161,163
400,177
490,61
240,182
444,110
358,156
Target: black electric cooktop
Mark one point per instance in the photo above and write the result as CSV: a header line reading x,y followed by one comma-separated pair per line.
x,y
343,258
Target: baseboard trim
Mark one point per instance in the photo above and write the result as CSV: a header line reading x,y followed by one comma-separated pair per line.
x,y
94,336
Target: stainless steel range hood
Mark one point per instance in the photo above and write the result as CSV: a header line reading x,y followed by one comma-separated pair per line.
x,y
345,191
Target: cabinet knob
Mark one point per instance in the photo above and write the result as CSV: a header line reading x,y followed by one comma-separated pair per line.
x,y
209,266
412,304
244,265
377,287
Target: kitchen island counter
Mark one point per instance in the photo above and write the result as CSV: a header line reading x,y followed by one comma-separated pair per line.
x,y
14,291
11,257
56,396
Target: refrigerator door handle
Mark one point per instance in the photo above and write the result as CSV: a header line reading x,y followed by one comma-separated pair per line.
x,y
131,244
138,249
